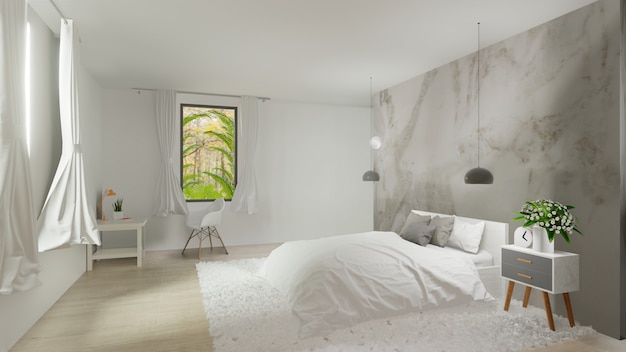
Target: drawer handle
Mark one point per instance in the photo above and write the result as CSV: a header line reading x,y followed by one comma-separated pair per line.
x,y
524,260
525,276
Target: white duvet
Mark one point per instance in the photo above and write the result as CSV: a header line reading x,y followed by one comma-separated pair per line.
x,y
339,281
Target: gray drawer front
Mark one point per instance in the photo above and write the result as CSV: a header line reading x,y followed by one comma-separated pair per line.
x,y
529,277
527,261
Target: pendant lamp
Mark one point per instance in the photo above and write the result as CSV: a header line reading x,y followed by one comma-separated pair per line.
x,y
371,176
478,175
375,143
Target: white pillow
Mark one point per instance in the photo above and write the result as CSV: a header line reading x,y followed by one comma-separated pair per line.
x,y
466,236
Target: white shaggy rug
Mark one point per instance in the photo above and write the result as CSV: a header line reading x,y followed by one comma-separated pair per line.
x,y
246,313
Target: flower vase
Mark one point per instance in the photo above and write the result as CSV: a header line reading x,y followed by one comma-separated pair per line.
x,y
117,215
541,242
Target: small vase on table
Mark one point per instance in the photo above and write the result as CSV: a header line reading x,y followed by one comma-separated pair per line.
x,y
541,243
117,209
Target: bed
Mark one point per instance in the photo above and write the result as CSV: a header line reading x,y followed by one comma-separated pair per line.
x,y
338,281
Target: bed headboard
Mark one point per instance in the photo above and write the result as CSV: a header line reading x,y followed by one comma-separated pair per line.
x,y
496,234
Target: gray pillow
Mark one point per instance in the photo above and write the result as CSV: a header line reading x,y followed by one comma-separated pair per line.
x,y
414,218
419,233
444,227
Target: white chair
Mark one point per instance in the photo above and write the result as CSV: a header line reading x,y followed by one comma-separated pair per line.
x,y
203,224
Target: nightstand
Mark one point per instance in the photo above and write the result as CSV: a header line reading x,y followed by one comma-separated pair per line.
x,y
118,225
555,273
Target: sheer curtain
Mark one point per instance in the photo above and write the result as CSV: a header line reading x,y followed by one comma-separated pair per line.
x,y
245,197
67,217
169,198
19,261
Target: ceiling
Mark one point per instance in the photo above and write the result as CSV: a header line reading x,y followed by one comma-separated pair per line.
x,y
318,51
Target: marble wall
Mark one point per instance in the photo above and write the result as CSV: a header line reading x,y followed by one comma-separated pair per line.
x,y
549,128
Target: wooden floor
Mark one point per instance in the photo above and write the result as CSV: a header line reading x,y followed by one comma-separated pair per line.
x,y
119,307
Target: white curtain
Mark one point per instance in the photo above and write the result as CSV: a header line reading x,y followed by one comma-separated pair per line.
x,y
19,262
245,197
169,198
67,217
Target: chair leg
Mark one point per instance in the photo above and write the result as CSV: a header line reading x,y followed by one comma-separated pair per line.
x,y
200,246
190,237
217,234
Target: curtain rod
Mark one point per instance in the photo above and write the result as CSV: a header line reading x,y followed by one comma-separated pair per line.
x,y
198,93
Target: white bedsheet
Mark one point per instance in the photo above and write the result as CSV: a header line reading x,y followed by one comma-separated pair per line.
x,y
339,281
480,259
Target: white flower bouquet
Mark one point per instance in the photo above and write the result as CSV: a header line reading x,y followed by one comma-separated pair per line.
x,y
552,216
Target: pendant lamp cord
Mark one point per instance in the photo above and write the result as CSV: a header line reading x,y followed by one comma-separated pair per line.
x,y
371,105
371,125
478,95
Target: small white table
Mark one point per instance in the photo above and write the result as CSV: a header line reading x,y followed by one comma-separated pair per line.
x,y
555,273
111,253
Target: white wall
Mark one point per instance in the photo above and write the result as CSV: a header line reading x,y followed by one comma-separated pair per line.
x,y
59,268
549,129
309,165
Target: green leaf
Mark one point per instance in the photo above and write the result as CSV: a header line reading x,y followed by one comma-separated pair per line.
x,y
190,149
227,138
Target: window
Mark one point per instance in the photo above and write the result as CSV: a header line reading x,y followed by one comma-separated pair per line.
x,y
208,162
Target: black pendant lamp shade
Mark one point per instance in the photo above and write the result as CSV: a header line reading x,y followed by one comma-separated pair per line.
x,y
478,175
371,176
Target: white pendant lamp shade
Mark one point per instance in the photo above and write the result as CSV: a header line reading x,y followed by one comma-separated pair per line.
x,y
376,143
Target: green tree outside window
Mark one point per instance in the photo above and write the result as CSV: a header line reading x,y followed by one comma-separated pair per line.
x,y
208,152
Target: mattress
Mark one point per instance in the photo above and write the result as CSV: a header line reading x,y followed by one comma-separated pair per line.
x,y
480,259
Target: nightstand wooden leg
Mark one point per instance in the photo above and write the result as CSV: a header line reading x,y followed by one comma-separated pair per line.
x,y
568,307
527,296
546,303
509,294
